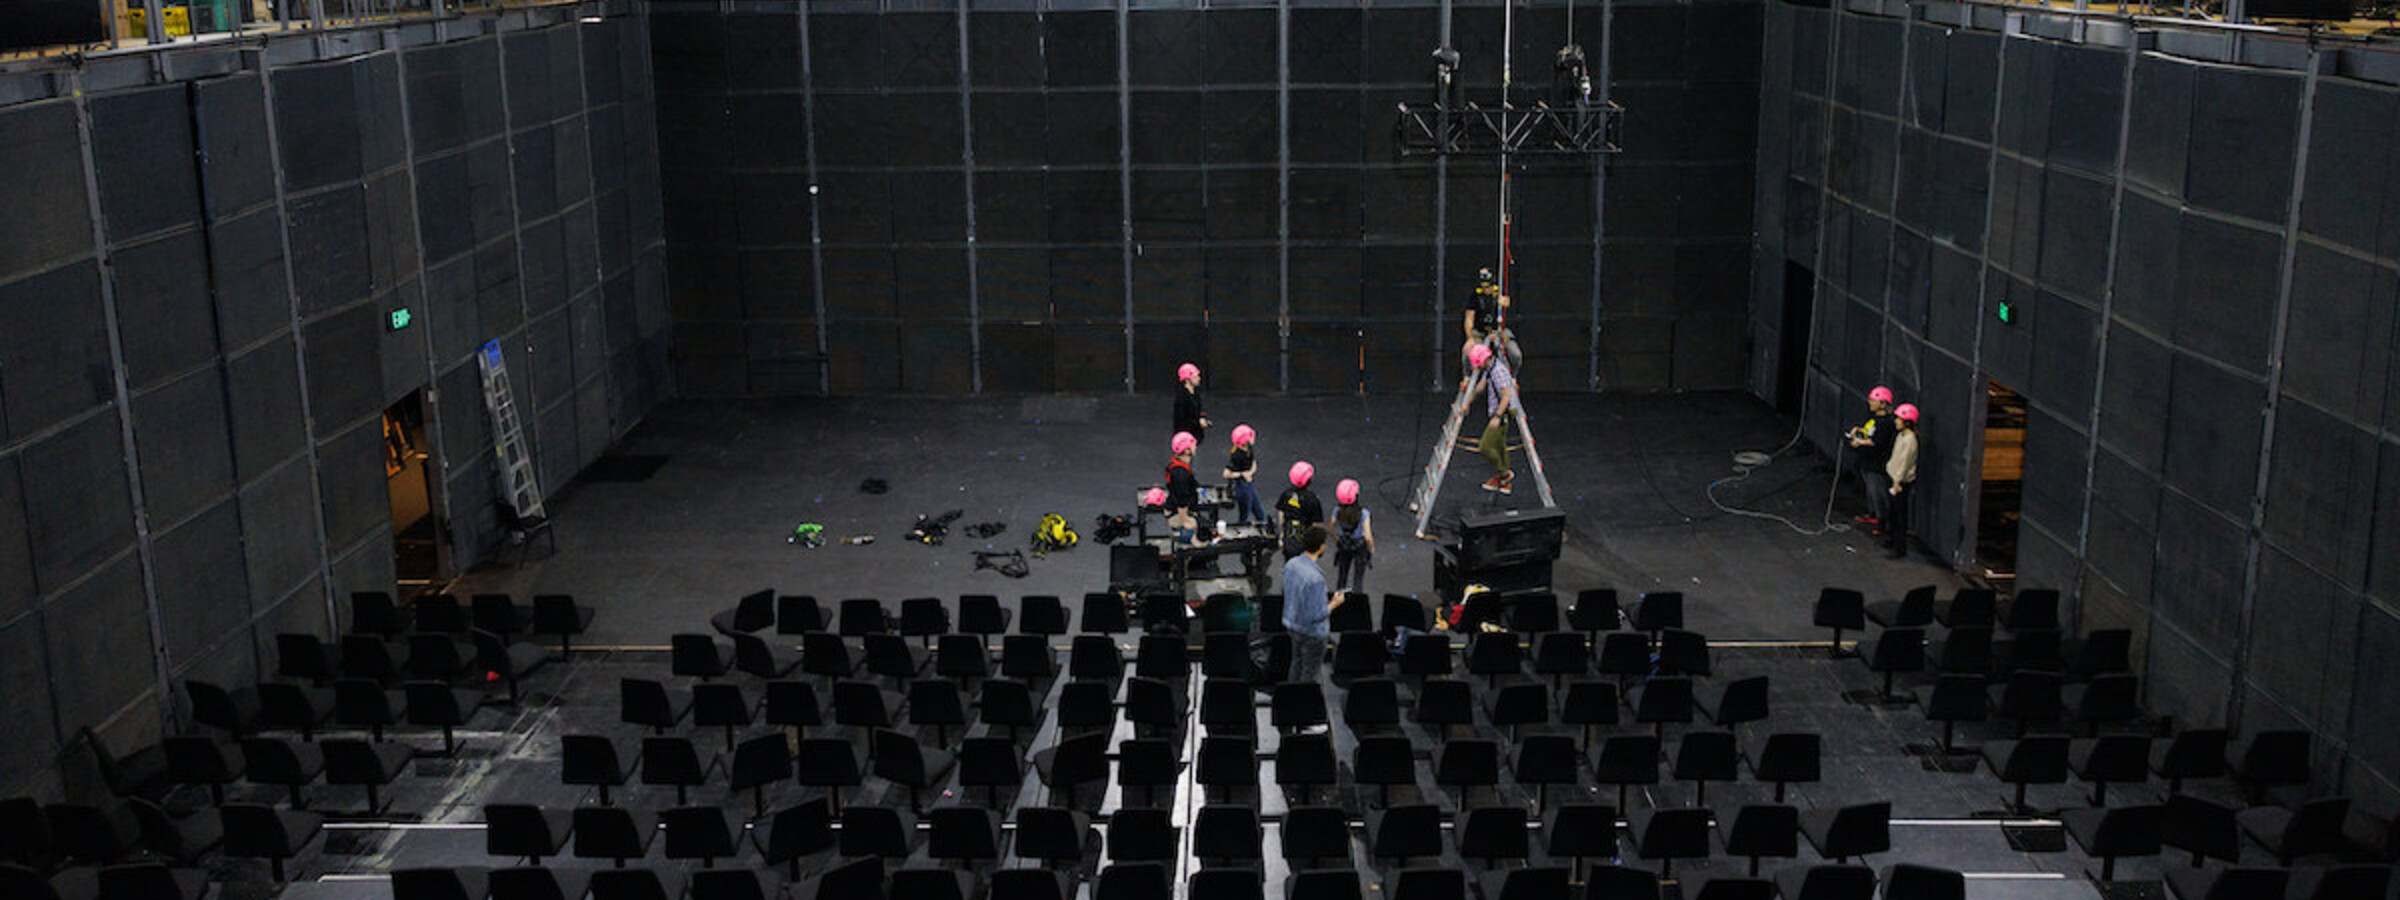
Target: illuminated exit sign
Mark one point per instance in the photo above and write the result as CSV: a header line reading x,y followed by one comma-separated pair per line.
x,y
399,319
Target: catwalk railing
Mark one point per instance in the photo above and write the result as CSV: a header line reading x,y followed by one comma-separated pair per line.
x,y
32,29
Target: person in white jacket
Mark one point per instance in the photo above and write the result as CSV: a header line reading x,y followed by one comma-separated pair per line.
x,y
1902,469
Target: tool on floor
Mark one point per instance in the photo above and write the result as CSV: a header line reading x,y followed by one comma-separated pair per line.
x,y
808,534
1006,562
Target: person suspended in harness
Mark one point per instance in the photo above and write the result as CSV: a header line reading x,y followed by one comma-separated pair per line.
x,y
1500,394
1487,318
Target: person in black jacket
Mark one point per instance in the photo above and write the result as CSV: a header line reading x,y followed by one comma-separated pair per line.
x,y
1189,418
1298,508
1183,490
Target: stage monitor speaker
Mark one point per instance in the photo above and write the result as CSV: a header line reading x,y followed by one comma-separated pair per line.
x,y
1508,538
1450,577
2313,10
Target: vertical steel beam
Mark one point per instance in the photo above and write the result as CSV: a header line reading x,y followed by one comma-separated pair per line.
x,y
1125,235
966,161
816,209
1606,88
1283,193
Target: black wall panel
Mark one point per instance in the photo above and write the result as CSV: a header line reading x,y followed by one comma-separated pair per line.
x,y
2074,234
78,509
142,154
2244,167
203,594
236,168
2160,134
165,322
186,453
328,235
50,218
2350,163
2134,397
2088,99
2340,322
95,619
2198,577
54,338
2323,522
2226,291
17,588
1169,285
2213,430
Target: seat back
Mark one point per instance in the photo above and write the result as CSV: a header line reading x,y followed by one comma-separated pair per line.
x,y
1970,607
1898,650
1104,613
1405,831
1384,760
2129,831
441,612
303,656
2033,608
498,613
1132,880
876,831
1468,762
2103,650
154,881
1535,613
1490,653
1789,756
1595,609
2193,753
696,655
2200,827
759,761
796,831
1226,831
644,702
1842,608
798,614
698,832
1371,702
981,614
1744,700
1041,614
361,701
1316,832
754,611
2276,757
1144,834
514,829
1834,882
672,761
822,761
922,616
1430,884
255,830
430,883
1588,703
434,703
589,759
863,616
1493,832
558,614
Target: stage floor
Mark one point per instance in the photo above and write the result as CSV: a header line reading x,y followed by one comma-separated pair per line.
x,y
1632,473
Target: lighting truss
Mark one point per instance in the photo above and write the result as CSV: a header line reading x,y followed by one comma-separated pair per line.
x,y
1427,129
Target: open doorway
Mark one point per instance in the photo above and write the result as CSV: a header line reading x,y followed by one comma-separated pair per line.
x,y
1799,319
2003,480
407,457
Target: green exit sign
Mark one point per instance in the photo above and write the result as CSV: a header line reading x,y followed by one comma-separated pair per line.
x,y
399,319
2006,312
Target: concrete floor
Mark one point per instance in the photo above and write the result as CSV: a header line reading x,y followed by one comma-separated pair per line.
x,y
659,556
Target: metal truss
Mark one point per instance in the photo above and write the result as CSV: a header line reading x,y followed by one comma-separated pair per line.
x,y
1427,129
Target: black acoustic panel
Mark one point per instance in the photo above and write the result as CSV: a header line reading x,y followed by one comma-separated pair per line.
x,y
1168,205
2147,263
925,129
1970,80
1258,346
1084,128
391,230
1324,358
582,246
2337,338
2350,163
1960,194
1724,43
1017,358
852,208
555,449
1910,282
328,237
1474,210
791,345
1399,203
2245,132
2161,131
2184,680
2325,522
142,152
846,51
236,171
1870,257
603,70
1242,127
859,283
919,49
164,318
1554,281
1636,280
1325,128
2088,95
1954,309
2027,76
536,163
1806,158
1636,354
929,207
1326,283
689,52
453,95
1928,67
2383,570
1004,49
1085,207
33,749
2290,658
2066,356
2016,216
1079,49
854,130
2376,727
449,312
1656,138
279,530
2124,527
1869,79
703,210
1718,201
1399,42
98,627
1325,204
1557,204
1810,69
355,498
1649,43
931,282
1719,121
1014,286
263,391
705,285
54,339
186,451
2074,234
2213,426
1478,35
1243,283
1861,359
345,375
2008,350
1089,357
1012,207
17,588
445,206
78,511
1008,128
1242,46
2197,584
1169,285
2227,290
1328,46
550,376
1708,353
1399,355
1087,284
1801,205
1161,348
525,64
936,358
763,129
1165,47
778,284
2135,396
318,121
571,140
49,217
1399,281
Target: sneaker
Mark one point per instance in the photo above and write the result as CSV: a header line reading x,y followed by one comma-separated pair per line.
x,y
1866,520
1495,484
1506,483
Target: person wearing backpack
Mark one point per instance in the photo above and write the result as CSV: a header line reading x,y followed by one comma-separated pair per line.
x,y
1298,508
1353,539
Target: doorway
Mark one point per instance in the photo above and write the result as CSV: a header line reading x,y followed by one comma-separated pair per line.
x,y
2003,480
1799,314
407,467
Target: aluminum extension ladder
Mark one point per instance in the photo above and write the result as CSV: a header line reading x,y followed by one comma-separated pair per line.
x,y
517,478
1429,484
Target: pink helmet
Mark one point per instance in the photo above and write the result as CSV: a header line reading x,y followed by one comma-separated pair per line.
x,y
1907,412
1346,493
1302,473
1187,372
1183,442
1478,355
1155,497
1880,394
1244,435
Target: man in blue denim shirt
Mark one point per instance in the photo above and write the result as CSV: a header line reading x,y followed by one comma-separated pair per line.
x,y
1306,608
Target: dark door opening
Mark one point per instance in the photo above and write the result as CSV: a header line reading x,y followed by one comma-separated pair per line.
x,y
1799,313
2003,479
407,459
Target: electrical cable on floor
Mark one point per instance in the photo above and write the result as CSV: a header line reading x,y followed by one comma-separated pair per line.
x,y
1748,461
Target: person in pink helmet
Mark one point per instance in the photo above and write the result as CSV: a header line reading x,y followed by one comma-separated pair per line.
x,y
1298,508
1183,490
1353,539
1870,448
1189,418
1500,394
1901,469
1241,473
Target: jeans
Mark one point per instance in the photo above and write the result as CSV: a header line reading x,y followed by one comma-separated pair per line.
x,y
1308,656
1350,571
1246,508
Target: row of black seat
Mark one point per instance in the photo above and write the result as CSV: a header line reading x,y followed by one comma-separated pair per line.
x,y
374,612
